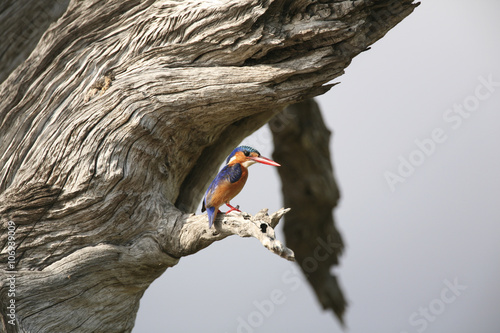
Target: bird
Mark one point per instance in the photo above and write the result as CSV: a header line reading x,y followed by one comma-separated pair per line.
x,y
230,180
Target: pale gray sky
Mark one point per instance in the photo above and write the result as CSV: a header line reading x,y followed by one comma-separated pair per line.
x,y
422,255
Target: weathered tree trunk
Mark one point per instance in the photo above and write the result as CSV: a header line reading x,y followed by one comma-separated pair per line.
x,y
112,128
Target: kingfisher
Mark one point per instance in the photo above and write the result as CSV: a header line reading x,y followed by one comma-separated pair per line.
x,y
230,180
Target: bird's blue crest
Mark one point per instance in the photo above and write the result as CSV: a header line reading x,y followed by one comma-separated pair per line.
x,y
243,149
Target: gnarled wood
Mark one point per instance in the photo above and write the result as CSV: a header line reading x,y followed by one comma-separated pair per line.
x,y
115,124
121,272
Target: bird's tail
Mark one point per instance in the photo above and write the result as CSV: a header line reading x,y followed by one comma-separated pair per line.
x,y
212,214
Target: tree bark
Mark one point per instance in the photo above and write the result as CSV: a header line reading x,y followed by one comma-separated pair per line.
x,y
115,123
22,24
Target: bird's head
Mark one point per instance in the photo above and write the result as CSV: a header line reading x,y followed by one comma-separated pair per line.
x,y
247,156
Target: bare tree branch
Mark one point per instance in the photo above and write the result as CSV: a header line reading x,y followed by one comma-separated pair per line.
x,y
195,234
311,191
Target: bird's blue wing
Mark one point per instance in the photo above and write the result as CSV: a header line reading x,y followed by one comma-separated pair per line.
x,y
207,200
227,174
233,172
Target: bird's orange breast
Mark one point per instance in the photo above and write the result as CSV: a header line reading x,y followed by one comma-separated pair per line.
x,y
227,190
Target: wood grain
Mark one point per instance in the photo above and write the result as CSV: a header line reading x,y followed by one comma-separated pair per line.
x,y
112,127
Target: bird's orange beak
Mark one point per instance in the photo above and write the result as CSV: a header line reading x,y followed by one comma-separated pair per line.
x,y
264,160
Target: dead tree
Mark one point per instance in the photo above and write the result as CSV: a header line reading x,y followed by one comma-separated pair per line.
x,y
115,119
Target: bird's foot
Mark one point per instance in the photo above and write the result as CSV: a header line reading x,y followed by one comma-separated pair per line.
x,y
232,208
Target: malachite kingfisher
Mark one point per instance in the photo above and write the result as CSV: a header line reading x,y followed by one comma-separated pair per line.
x,y
230,180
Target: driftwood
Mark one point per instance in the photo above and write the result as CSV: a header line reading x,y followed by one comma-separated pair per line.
x,y
113,126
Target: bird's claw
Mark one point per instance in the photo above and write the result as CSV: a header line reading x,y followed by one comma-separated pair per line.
x,y
232,208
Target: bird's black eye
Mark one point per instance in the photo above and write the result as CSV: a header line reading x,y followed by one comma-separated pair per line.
x,y
246,152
